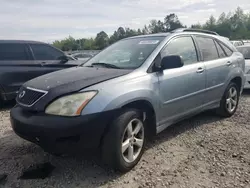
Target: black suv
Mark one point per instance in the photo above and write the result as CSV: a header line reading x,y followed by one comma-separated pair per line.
x,y
21,61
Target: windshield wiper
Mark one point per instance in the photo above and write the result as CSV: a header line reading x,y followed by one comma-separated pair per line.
x,y
107,65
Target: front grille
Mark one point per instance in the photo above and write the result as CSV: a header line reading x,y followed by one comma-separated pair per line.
x,y
28,96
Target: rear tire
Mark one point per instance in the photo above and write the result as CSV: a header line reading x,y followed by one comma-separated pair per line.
x,y
229,101
123,145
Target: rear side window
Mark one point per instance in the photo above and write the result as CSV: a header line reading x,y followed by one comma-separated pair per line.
x,y
184,47
220,50
207,48
13,52
228,51
45,52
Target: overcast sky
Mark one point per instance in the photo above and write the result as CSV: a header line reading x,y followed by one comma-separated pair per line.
x,y
47,20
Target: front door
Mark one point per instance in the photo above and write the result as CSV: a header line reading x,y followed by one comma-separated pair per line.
x,y
181,89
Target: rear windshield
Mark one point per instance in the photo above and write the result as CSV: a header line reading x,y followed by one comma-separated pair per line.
x,y
245,51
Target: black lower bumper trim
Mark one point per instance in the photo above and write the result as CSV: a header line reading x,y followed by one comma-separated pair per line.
x,y
57,133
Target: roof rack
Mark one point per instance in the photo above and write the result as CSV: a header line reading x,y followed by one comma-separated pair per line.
x,y
194,30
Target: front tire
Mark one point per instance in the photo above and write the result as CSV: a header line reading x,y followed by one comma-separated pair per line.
x,y
123,145
229,101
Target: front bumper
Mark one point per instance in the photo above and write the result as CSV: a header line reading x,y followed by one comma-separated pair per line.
x,y
247,83
59,134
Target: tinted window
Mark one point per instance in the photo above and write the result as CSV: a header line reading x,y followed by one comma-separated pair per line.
x,y
226,49
13,52
220,50
45,52
184,47
207,48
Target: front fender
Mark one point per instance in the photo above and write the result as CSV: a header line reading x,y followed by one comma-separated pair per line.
x,y
108,101
133,96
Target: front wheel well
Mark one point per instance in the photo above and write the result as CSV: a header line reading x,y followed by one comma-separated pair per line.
x,y
145,106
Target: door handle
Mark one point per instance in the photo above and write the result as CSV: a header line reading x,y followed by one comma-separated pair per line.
x,y
229,63
200,70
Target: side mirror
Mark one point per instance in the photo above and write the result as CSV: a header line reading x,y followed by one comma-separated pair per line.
x,y
171,62
63,59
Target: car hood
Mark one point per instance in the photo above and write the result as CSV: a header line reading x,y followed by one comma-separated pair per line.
x,y
68,81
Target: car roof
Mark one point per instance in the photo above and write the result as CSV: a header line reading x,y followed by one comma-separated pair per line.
x,y
21,42
151,35
182,31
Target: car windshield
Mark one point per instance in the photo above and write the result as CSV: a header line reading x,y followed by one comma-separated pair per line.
x,y
245,50
126,54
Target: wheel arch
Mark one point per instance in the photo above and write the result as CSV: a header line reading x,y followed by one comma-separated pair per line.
x,y
238,81
146,107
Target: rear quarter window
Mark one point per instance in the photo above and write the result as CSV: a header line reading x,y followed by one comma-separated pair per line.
x,y
221,51
228,51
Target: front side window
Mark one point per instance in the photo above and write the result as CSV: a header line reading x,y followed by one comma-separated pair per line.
x,y
13,52
45,52
207,48
184,47
126,54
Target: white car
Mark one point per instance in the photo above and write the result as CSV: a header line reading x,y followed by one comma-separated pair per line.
x,y
237,43
245,50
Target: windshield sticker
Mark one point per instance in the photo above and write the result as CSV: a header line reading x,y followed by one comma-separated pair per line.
x,y
149,42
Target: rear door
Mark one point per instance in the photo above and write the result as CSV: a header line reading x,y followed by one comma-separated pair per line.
x,y
218,65
16,67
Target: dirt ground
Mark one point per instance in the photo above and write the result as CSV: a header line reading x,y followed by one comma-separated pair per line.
x,y
204,151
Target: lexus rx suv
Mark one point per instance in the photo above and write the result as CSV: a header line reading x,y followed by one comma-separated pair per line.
x,y
130,91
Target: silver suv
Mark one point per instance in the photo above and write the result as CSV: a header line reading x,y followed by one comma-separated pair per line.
x,y
135,88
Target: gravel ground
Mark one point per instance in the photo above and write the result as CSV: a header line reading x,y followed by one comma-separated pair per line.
x,y
204,151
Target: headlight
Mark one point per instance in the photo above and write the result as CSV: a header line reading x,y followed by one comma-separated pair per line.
x,y
70,105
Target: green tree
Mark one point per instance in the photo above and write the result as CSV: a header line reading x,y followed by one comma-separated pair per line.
x,y
210,23
145,30
156,26
101,40
172,22
196,26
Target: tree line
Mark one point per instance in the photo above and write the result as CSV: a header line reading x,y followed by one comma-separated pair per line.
x,y
234,25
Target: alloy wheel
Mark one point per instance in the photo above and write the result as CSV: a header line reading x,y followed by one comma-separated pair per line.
x,y
132,140
232,99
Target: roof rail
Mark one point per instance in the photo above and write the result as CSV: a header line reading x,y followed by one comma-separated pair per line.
x,y
194,30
